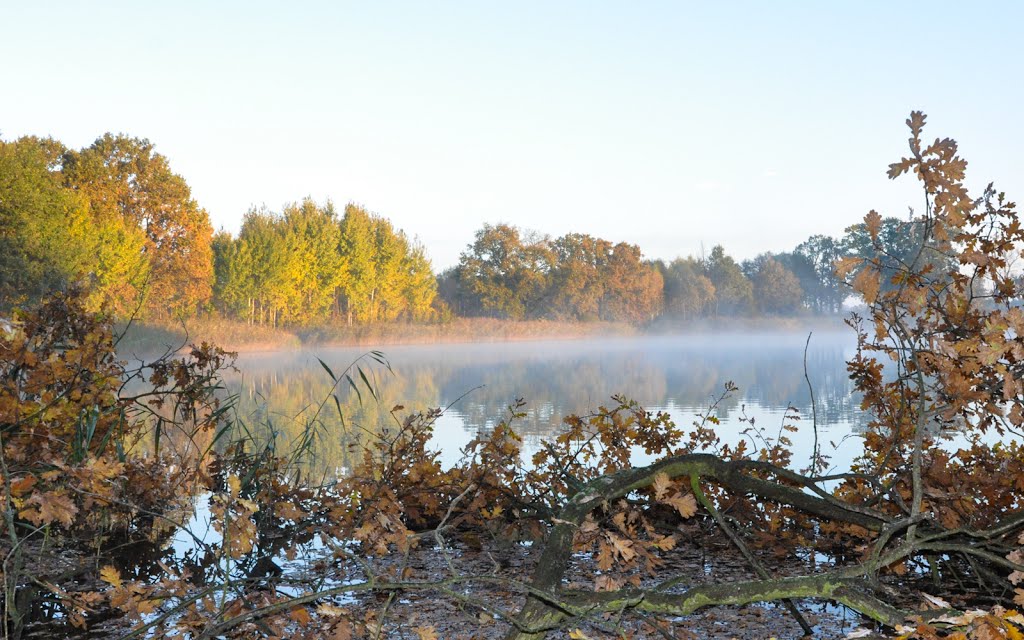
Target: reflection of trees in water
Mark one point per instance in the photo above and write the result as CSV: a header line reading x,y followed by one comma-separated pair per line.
x,y
552,388
555,379
287,395
684,375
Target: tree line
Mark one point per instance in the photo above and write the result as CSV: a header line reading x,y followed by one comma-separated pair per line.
x,y
509,273
308,264
114,219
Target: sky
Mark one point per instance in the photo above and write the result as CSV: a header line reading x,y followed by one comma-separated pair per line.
x,y
672,125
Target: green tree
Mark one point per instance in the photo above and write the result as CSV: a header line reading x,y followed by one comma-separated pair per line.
x,y
311,238
385,277
269,268
776,290
231,294
453,293
420,285
823,289
688,292
734,294
49,237
391,248
357,246
895,246
38,220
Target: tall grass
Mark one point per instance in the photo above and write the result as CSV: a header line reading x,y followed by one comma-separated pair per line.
x,y
231,335
239,336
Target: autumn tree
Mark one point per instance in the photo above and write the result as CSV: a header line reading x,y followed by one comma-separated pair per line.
x,y
508,274
578,279
633,288
305,265
126,181
419,285
311,240
574,277
384,276
390,261
52,239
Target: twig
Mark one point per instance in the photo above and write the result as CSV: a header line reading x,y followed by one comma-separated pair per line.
x,y
752,560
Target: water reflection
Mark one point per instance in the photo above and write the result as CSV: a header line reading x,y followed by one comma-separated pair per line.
x,y
479,381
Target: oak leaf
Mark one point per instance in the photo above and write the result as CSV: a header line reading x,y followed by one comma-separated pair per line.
x,y
425,633
234,485
23,485
867,283
111,576
685,505
300,615
49,507
623,547
665,543
662,484
844,266
287,510
873,223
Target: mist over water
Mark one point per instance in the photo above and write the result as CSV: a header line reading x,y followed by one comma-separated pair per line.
x,y
476,383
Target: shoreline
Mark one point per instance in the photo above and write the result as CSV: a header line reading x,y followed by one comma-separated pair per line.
x,y
242,338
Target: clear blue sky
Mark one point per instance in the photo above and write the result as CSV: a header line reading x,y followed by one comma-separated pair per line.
x,y
671,125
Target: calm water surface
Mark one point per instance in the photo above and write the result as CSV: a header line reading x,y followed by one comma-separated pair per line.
x,y
477,382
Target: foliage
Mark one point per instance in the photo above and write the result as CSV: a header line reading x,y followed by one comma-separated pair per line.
x,y
386,276
50,238
126,182
506,276
688,292
575,277
938,367
813,262
776,289
114,219
733,292
71,451
306,266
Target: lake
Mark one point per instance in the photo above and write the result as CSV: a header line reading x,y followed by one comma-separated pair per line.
x,y
476,383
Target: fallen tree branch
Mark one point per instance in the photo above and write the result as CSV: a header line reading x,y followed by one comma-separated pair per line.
x,y
558,549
